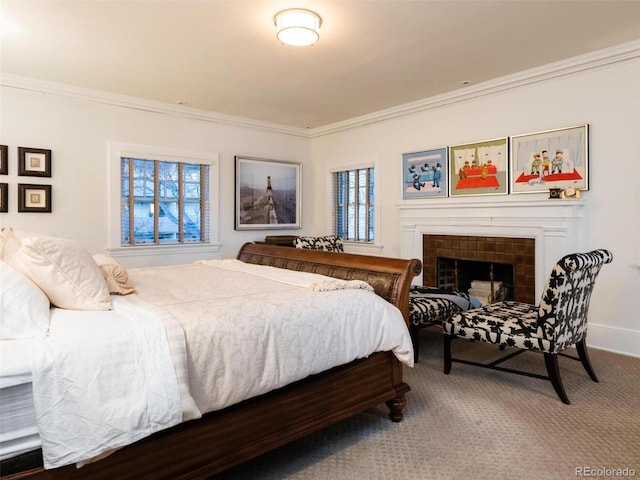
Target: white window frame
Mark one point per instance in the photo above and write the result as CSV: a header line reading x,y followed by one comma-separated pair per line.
x,y
118,150
369,161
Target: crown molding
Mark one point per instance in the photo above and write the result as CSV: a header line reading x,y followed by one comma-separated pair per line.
x,y
135,103
588,61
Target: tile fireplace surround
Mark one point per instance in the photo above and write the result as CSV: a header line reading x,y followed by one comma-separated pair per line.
x,y
553,224
518,252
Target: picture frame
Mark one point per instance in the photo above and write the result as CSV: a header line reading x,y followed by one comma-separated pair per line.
x,y
4,160
479,168
4,197
267,194
34,162
425,174
556,158
34,198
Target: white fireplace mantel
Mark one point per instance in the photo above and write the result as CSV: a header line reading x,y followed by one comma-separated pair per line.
x,y
553,223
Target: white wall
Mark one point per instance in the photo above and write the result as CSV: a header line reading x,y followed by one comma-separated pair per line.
x,y
77,129
606,97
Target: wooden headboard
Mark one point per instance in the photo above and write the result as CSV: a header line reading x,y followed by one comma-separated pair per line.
x,y
389,277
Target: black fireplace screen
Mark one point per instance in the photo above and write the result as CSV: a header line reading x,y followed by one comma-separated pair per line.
x,y
490,281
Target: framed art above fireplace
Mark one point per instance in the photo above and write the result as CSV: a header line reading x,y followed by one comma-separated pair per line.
x,y
479,168
425,174
550,159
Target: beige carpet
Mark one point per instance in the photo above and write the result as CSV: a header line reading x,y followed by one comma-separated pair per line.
x,y
478,424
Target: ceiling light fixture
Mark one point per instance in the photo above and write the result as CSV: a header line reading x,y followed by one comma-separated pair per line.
x,y
297,27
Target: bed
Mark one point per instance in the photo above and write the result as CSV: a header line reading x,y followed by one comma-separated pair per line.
x,y
228,436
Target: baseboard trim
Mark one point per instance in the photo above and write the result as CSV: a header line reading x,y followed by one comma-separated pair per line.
x,y
613,339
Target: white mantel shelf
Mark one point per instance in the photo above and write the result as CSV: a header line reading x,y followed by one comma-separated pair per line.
x,y
499,206
553,223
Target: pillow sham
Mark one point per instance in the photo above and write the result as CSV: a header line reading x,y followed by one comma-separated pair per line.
x,y
24,308
10,241
114,274
64,271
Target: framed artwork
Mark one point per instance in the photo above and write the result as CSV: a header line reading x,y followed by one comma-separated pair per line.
x,y
479,168
4,160
34,162
550,159
4,197
268,194
34,198
425,174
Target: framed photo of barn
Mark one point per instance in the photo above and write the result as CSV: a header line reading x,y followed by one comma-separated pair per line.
x,y
479,168
550,159
267,194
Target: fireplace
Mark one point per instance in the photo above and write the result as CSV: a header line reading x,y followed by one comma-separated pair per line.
x,y
531,232
510,260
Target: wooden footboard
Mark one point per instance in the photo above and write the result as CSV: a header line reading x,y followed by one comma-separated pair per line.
x,y
220,440
389,277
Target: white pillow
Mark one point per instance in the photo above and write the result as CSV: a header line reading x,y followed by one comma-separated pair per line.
x,y
64,271
24,308
114,274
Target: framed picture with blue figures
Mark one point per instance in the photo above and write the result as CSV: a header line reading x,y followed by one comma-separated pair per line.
x,y
425,174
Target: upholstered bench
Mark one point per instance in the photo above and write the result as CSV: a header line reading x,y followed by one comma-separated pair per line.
x,y
429,306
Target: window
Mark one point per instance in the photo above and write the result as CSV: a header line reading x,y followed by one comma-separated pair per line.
x,y
353,204
163,202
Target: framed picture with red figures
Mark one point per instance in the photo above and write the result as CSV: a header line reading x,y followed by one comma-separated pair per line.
x,y
552,159
479,168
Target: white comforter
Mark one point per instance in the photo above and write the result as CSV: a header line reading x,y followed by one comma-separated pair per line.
x,y
106,379
249,329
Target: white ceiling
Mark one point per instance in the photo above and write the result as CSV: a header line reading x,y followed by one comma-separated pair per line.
x,y
223,56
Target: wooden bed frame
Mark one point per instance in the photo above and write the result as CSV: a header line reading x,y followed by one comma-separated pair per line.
x,y
219,440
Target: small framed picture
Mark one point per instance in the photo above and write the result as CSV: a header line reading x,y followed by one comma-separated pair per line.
x,y
4,197
34,162
4,160
34,198
425,174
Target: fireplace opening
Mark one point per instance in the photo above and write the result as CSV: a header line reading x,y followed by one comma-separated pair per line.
x,y
489,281
517,252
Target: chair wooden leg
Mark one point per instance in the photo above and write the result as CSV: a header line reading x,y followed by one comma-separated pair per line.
x,y
581,347
415,340
447,352
553,370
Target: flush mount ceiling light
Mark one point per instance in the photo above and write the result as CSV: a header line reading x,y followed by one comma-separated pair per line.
x,y
298,27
